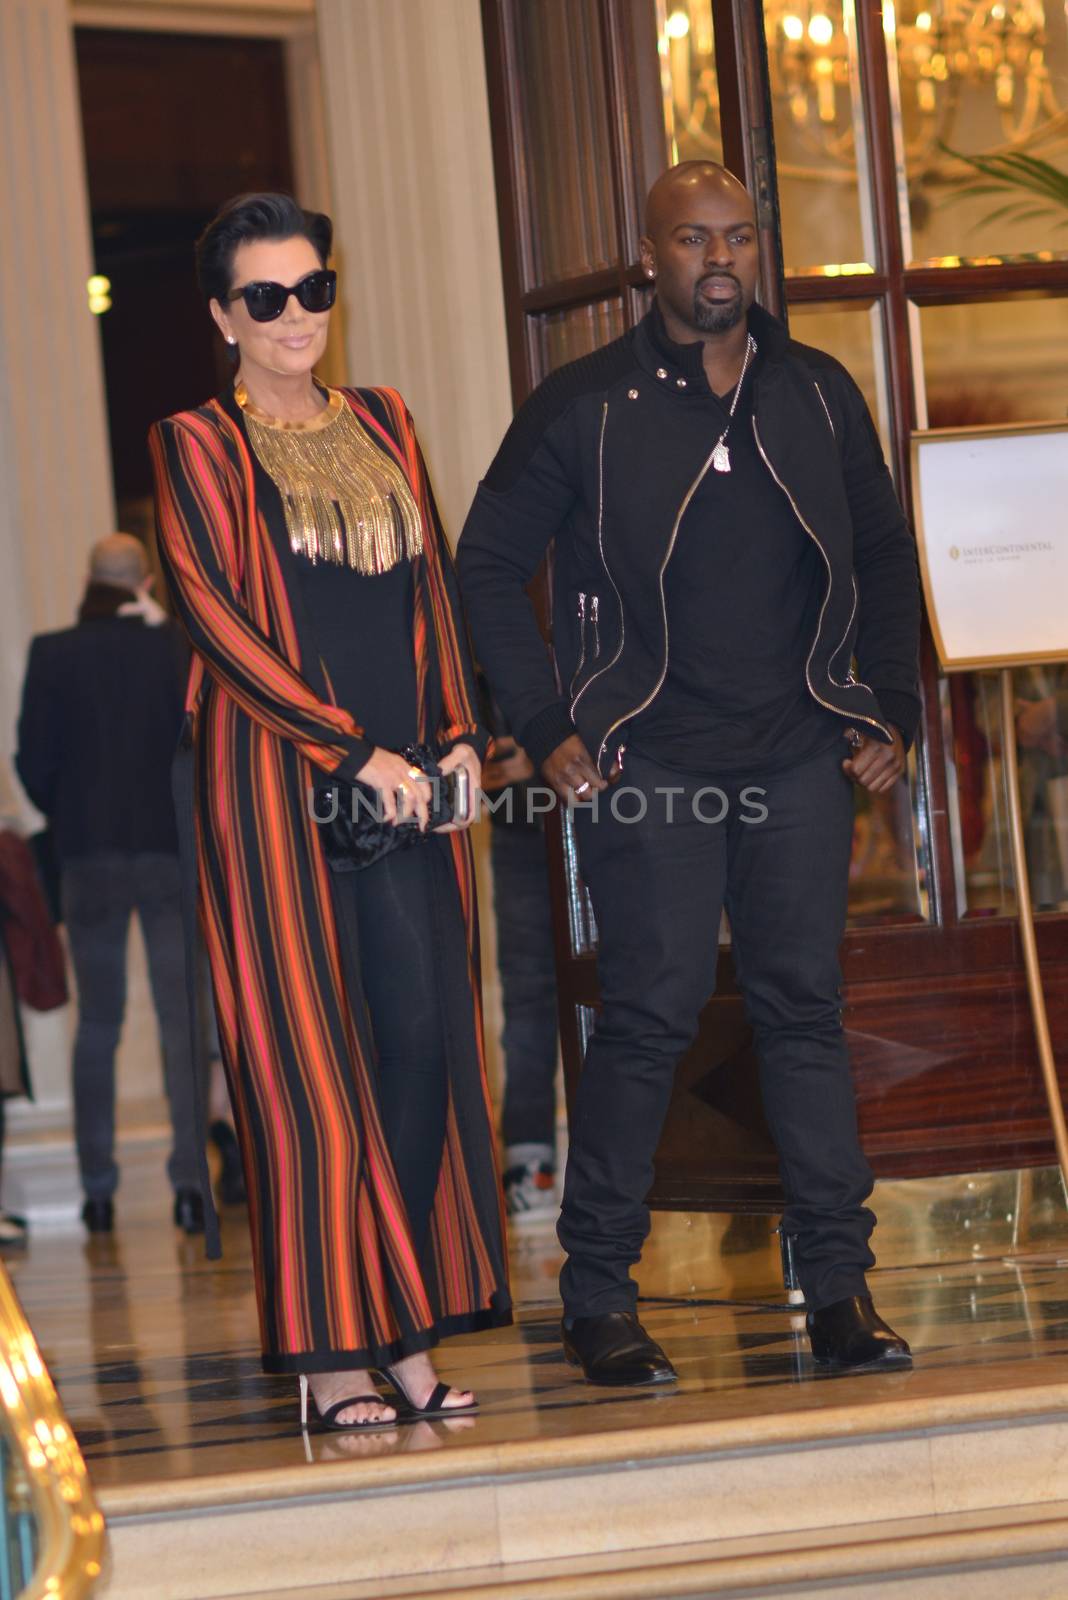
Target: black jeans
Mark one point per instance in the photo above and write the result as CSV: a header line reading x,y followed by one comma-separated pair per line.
x,y
100,894
658,887
527,965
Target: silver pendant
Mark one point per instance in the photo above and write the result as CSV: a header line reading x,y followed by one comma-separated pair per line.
x,y
721,458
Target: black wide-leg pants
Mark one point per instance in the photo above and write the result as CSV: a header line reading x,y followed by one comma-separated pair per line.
x,y
658,882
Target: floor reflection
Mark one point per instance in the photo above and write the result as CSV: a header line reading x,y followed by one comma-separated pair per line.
x,y
153,1348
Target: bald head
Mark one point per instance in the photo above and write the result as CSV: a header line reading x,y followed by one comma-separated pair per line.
x,y
119,560
700,247
689,184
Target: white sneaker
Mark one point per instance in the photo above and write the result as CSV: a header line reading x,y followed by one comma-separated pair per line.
x,y
530,1183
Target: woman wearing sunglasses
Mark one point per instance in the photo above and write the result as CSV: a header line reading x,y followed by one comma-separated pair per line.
x,y
301,542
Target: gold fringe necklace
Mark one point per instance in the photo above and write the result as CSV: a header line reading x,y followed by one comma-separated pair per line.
x,y
345,500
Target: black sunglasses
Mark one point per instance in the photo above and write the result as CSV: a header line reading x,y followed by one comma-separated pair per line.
x,y
266,301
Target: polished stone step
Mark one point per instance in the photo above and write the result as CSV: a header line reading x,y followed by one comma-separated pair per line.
x,y
850,1494
979,1556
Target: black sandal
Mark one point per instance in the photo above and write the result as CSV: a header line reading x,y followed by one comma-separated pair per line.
x,y
435,1405
329,1417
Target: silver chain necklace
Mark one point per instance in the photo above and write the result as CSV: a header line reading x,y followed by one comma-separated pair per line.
x,y
721,456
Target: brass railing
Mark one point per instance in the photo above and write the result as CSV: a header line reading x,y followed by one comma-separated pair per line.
x,y
67,1524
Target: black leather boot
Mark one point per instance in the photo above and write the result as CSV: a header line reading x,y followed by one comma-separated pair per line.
x,y
850,1336
189,1210
614,1349
231,1177
98,1216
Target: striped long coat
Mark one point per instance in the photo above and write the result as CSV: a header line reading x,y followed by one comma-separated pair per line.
x,y
338,1281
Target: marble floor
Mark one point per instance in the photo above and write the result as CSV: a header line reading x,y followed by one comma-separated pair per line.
x,y
154,1349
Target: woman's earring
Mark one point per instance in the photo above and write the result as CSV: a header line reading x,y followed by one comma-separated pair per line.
x,y
649,273
230,339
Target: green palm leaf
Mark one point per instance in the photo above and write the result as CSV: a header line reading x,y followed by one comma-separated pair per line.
x,y
1016,171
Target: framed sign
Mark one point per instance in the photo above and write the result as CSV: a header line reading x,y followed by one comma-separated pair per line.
x,y
992,526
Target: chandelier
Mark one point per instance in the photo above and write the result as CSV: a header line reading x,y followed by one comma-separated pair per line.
x,y
998,47
947,51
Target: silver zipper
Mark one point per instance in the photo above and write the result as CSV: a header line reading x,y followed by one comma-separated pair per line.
x,y
582,640
859,715
595,608
604,563
830,660
691,491
826,413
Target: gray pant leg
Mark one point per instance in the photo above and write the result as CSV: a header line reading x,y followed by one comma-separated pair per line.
x,y
160,910
96,893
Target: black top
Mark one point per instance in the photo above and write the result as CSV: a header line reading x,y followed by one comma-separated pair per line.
x,y
362,625
742,590
600,458
99,725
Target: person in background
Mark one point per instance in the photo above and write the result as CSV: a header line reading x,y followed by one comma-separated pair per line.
x,y
101,713
527,965
33,970
1042,737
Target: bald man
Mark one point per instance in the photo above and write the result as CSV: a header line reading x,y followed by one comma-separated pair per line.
x,y
101,714
735,633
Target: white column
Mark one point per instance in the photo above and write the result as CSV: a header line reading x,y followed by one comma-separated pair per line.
x,y
415,208
55,476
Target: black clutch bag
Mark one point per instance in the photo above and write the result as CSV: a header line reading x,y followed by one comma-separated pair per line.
x,y
354,832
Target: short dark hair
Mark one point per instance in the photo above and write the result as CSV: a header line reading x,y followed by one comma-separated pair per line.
x,y
254,216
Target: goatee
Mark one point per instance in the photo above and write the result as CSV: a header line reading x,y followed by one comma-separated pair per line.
x,y
713,316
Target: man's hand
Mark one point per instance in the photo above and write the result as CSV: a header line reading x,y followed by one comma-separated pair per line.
x,y
143,605
505,763
569,770
874,765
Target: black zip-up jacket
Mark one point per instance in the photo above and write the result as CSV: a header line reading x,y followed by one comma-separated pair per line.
x,y
604,458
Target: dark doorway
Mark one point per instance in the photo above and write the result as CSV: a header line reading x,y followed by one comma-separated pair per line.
x,y
174,124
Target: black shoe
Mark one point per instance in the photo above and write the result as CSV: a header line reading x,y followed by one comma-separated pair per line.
x,y
850,1336
614,1348
232,1190
98,1216
14,1230
189,1210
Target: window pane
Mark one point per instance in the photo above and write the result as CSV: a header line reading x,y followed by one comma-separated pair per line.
x,y
820,144
983,80
561,62
979,814
888,871
995,361
1002,361
688,80
852,332
565,335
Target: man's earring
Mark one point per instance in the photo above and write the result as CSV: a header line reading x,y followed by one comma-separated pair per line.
x,y
649,273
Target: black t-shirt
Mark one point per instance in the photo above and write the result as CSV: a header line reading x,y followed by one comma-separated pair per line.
x,y
362,624
743,590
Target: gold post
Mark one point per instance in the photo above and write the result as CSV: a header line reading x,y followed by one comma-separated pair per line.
x,y
1026,917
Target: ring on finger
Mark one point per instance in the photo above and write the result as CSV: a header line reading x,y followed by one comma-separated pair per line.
x,y
580,788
